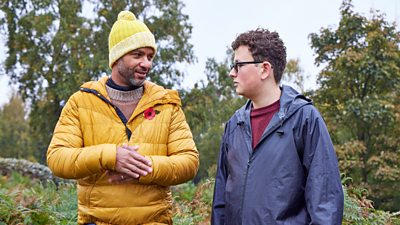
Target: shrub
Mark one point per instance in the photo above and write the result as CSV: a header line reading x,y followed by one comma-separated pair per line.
x,y
23,201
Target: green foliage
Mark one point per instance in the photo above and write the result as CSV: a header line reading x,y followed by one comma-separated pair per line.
x,y
359,97
207,107
54,46
355,213
15,139
359,210
185,191
198,210
25,202
22,201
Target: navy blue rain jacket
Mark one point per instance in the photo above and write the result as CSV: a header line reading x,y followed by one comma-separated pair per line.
x,y
292,175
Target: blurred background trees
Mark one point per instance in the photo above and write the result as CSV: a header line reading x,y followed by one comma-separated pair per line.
x,y
208,106
15,138
359,97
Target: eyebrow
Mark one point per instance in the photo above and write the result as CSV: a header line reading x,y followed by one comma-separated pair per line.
x,y
137,51
142,52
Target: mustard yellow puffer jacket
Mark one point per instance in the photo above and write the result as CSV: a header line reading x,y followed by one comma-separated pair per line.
x,y
84,145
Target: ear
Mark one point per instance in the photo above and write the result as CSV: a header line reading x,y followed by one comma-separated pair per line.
x,y
265,70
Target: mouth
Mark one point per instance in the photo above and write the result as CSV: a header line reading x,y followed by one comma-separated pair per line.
x,y
141,74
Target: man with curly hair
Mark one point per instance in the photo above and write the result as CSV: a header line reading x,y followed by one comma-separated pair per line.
x,y
277,164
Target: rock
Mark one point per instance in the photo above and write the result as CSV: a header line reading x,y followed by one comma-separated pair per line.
x,y
35,171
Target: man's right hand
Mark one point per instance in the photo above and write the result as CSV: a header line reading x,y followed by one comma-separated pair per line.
x,y
131,163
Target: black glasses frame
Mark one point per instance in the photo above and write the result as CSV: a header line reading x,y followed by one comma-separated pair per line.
x,y
236,64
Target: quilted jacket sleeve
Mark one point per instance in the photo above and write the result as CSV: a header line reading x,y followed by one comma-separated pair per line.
x,y
66,156
182,160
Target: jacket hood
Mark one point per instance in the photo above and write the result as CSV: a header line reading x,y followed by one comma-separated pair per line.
x,y
290,102
153,94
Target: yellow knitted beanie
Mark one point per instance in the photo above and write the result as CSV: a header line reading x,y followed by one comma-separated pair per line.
x,y
128,34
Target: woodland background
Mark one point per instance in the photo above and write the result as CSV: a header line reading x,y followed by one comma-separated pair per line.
x,y
53,48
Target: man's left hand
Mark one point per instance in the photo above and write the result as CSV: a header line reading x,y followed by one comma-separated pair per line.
x,y
118,178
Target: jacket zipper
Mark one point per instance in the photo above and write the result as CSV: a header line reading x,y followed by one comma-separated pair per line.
x,y
250,161
117,110
247,173
123,120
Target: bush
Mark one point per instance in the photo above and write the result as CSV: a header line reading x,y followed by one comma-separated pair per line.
x,y
25,202
195,207
358,210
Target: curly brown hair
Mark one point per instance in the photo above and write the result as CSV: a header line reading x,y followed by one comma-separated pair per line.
x,y
264,45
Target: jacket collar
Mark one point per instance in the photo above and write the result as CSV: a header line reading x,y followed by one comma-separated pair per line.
x,y
153,94
290,102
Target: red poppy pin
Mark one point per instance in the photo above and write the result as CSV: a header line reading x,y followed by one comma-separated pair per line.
x,y
150,113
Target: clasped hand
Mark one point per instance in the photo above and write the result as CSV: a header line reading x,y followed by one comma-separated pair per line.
x,y
129,165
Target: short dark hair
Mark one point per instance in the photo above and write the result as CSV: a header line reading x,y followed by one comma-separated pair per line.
x,y
264,45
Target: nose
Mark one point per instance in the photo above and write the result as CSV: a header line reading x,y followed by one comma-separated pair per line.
x,y
232,73
146,63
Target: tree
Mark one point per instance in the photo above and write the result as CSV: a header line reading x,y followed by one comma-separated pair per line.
x,y
359,98
15,139
207,107
294,75
54,46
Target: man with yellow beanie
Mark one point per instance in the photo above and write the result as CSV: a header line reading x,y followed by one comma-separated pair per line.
x,y
124,139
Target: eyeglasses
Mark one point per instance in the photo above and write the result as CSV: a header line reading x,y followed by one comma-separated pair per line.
x,y
237,64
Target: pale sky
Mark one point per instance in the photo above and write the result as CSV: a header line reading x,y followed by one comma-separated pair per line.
x,y
216,23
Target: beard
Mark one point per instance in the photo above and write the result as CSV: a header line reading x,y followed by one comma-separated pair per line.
x,y
128,74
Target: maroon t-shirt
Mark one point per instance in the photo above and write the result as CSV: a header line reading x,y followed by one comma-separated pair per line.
x,y
260,119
